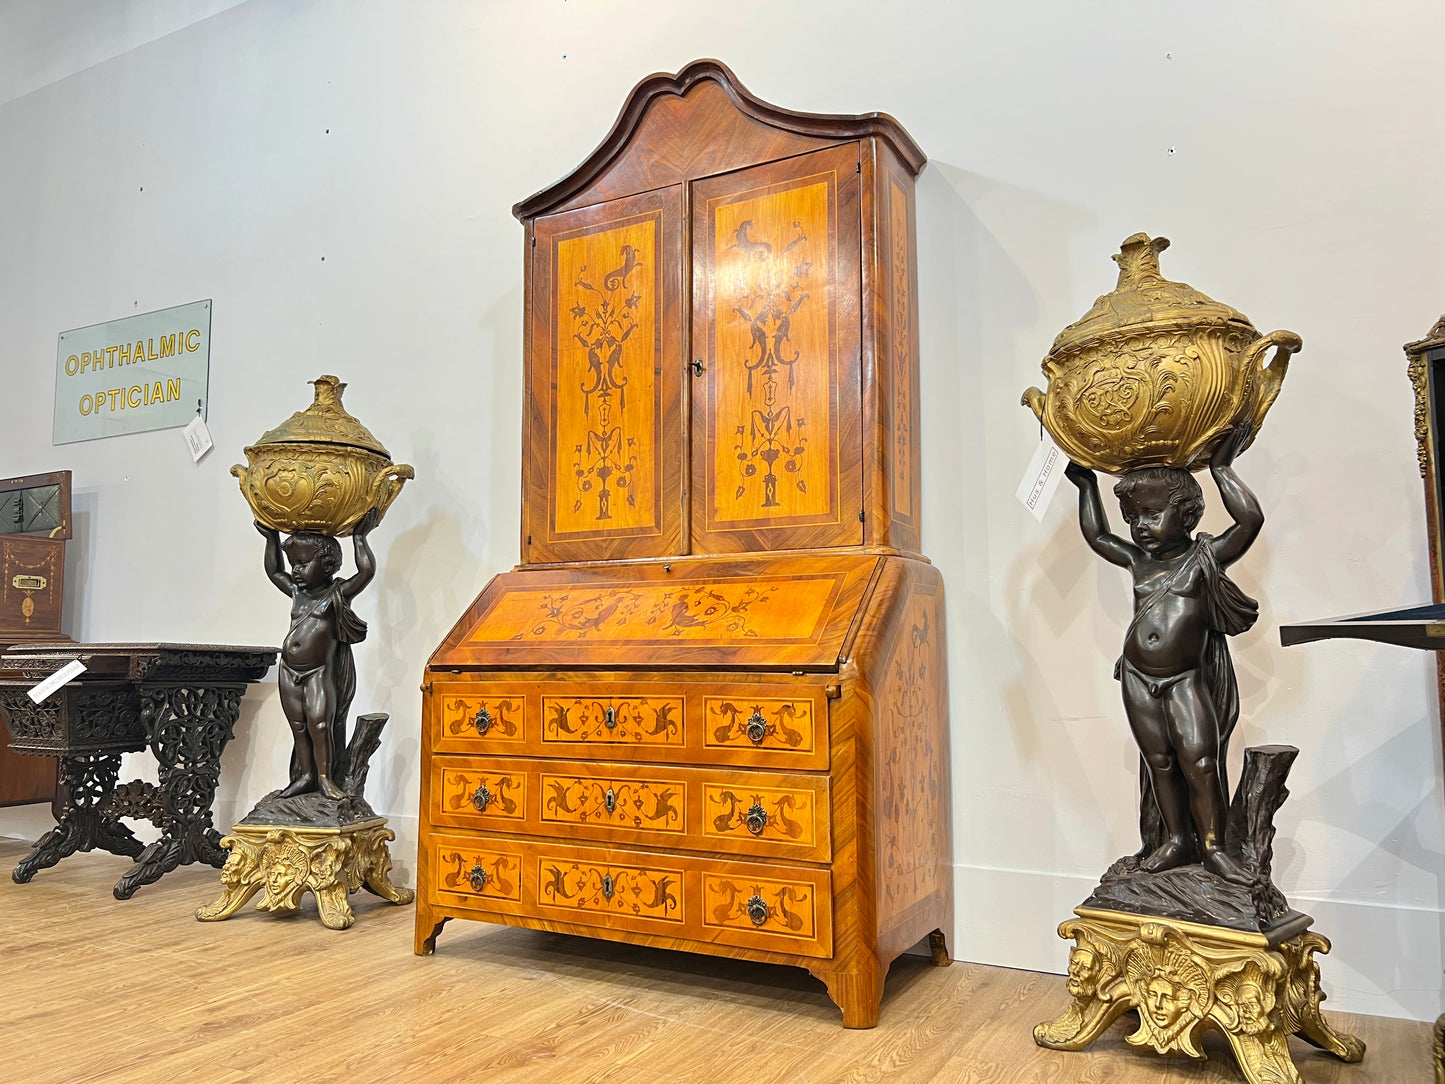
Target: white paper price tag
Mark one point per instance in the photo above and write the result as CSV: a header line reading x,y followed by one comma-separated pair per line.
x,y
67,673
198,438
1046,469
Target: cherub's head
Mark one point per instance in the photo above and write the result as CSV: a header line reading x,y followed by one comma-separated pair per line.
x,y
1162,506
314,558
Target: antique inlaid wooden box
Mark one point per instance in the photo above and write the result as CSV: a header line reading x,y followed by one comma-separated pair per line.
x,y
34,526
709,709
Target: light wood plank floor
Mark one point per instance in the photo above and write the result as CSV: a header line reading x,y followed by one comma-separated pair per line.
x,y
92,989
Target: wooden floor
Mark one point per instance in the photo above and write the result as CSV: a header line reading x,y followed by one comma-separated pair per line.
x,y
95,989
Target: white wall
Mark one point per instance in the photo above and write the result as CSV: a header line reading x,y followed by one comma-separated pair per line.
x,y
338,177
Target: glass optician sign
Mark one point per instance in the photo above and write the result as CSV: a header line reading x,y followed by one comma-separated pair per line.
x,y
133,375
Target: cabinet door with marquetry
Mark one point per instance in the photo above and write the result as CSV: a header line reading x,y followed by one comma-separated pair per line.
x,y
776,416
601,475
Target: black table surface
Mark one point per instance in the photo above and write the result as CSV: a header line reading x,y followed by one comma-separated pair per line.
x,y
1421,627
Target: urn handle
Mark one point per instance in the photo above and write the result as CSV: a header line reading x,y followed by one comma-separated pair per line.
x,y
1267,378
478,877
757,727
481,798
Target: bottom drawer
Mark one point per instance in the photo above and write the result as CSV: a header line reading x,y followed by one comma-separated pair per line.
x,y
748,904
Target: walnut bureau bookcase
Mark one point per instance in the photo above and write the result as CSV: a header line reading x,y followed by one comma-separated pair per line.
x,y
709,709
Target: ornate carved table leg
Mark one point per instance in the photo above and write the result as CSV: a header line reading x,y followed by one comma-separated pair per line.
x,y
84,824
188,728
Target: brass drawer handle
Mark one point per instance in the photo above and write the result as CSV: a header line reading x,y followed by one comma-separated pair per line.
x,y
479,878
610,716
757,727
757,910
610,801
757,819
482,798
608,885
482,720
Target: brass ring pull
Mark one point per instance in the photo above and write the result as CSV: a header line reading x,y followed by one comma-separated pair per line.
x,y
482,720
610,801
757,728
757,910
608,885
610,716
479,878
757,819
481,798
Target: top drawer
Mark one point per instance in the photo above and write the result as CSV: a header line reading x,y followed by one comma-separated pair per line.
x,y
737,723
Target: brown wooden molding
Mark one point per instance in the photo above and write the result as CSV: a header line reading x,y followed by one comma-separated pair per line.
x,y
840,126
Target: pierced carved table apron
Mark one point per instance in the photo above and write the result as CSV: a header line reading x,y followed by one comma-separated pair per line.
x,y
178,700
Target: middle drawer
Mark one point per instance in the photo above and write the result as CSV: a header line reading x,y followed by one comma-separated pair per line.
x,y
664,805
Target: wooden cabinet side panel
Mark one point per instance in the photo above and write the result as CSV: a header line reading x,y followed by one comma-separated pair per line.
x,y
891,368
604,382
902,665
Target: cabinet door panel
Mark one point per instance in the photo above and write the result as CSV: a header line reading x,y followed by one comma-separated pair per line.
x,y
602,476
776,422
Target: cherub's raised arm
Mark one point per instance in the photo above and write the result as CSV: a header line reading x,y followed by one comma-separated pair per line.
x,y
365,559
275,569
1094,521
1241,504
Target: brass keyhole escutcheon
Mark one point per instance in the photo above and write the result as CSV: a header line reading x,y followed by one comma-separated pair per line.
x,y
608,886
478,878
609,716
697,366
482,798
757,819
757,910
482,720
610,801
757,728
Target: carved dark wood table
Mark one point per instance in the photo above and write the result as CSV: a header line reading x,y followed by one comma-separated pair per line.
x,y
178,700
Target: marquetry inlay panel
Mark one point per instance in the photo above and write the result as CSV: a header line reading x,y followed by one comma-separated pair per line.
x,y
625,720
743,810
651,805
611,888
606,331
912,782
477,872
742,722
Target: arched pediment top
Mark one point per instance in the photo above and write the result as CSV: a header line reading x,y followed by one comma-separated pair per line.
x,y
698,122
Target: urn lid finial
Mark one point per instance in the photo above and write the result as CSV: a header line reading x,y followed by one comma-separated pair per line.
x,y
325,421
1143,300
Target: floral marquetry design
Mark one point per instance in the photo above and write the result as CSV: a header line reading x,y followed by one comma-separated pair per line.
x,y
912,787
773,353
699,610
480,873
489,794
653,805
639,720
607,418
901,348
766,906
760,813
760,723
627,890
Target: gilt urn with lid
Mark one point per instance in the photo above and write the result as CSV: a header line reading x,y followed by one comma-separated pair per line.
x,y
1156,373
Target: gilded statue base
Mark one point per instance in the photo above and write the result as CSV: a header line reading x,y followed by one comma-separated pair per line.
x,y
1184,978
288,861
